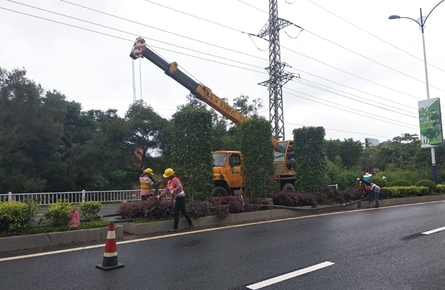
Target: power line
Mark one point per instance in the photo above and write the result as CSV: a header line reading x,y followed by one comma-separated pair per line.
x,y
357,90
74,26
162,30
188,14
363,56
379,118
373,35
66,24
331,90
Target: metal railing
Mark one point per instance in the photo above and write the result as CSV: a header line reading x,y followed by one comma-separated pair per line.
x,y
45,198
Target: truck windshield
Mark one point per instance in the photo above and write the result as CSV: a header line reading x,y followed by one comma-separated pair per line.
x,y
280,149
219,159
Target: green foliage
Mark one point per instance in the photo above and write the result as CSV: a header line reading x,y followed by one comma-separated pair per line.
x,y
400,182
403,191
351,152
440,188
310,159
257,165
14,216
345,178
90,210
380,182
428,183
191,150
58,213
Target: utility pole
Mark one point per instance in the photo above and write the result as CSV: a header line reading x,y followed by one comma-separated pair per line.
x,y
277,76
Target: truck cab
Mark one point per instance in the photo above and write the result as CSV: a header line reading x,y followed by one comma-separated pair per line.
x,y
226,172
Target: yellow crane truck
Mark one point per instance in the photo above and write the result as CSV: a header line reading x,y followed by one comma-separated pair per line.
x,y
227,164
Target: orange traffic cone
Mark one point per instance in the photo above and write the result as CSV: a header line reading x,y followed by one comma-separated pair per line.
x,y
110,255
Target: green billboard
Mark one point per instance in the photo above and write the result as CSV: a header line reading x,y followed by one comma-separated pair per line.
x,y
430,120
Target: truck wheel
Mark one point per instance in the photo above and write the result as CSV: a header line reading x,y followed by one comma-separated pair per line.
x,y
219,191
288,187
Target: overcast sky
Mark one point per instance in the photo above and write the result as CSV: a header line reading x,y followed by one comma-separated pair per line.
x,y
361,74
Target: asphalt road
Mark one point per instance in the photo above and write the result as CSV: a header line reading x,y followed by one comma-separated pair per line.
x,y
386,248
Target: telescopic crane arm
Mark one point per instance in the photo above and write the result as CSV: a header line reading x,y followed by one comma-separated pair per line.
x,y
202,92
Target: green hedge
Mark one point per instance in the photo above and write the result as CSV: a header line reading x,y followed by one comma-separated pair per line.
x,y
14,216
402,191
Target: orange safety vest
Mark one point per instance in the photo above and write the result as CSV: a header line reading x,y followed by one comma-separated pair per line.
x,y
171,188
145,185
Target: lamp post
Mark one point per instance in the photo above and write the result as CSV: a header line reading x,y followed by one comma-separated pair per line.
x,y
421,22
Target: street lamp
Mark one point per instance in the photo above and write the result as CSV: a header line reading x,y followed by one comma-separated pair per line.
x,y
421,22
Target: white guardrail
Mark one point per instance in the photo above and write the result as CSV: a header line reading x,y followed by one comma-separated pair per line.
x,y
45,198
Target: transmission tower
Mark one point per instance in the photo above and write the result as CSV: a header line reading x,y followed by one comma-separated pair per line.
x,y
277,76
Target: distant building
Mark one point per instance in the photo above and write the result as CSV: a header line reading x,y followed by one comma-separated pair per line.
x,y
371,142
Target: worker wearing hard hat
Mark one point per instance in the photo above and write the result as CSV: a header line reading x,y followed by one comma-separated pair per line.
x,y
370,188
147,183
174,186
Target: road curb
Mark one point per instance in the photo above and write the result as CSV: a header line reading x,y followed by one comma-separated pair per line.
x,y
27,242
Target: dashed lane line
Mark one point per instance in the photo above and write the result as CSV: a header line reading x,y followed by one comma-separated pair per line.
x,y
433,231
290,275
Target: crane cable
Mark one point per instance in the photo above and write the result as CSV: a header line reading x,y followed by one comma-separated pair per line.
x,y
140,77
134,82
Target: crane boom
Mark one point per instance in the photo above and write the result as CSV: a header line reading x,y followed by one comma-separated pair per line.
x,y
284,173
202,92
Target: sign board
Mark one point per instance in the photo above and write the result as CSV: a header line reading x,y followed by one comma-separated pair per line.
x,y
430,119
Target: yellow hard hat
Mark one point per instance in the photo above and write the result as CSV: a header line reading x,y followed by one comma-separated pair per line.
x,y
148,170
168,172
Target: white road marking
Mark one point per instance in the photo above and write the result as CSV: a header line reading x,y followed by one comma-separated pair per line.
x,y
290,275
433,231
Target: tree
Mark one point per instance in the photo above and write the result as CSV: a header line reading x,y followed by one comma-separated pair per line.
x,y
31,125
332,149
257,165
245,108
191,155
351,152
310,163
103,162
148,130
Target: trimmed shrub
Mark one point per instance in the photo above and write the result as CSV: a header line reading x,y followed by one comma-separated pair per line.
x,y
294,199
402,191
14,216
129,210
380,182
90,210
198,209
428,183
400,182
156,209
222,210
254,204
440,188
153,209
235,203
58,213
